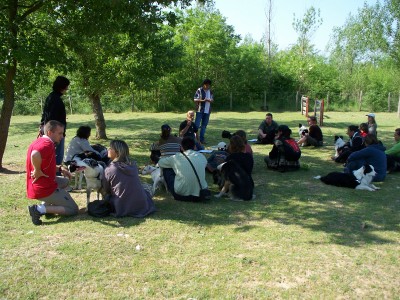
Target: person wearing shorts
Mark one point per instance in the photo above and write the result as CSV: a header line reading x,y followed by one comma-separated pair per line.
x,y
41,181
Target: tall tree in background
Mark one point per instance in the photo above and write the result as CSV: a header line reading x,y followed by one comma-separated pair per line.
x,y
42,34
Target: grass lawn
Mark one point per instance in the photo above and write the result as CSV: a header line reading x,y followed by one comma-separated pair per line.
x,y
298,239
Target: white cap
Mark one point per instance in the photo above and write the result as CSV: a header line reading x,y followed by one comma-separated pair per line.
x,y
371,115
221,146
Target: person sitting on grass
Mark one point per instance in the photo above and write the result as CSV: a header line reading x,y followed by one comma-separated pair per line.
x,y
285,153
217,157
121,183
179,174
393,154
267,130
314,137
373,154
167,145
355,143
41,181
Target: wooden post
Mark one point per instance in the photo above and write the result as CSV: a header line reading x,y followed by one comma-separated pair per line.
x,y
133,102
389,102
230,101
70,103
398,107
327,101
297,99
360,101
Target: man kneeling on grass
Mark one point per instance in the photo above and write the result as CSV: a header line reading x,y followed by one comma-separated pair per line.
x,y
41,181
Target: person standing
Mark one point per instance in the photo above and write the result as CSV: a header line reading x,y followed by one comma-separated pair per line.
x,y
41,181
203,99
54,109
372,126
267,130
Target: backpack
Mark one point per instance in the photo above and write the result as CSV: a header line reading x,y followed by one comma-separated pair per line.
x,y
292,150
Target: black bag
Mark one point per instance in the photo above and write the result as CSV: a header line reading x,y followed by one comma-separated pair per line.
x,y
99,208
205,195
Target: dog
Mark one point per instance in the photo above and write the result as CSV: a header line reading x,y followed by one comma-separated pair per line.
x,y
360,179
238,185
93,171
303,130
339,143
156,176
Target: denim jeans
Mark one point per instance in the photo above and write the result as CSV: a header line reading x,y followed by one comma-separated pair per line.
x,y
169,177
203,118
60,152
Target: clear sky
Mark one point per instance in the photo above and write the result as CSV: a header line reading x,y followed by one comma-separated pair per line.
x,y
249,17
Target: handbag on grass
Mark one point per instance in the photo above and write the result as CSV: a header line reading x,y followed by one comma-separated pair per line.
x,y
205,194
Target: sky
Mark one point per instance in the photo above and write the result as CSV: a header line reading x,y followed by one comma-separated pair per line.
x,y
249,17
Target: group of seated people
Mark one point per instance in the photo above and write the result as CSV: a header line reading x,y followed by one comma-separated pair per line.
x,y
183,166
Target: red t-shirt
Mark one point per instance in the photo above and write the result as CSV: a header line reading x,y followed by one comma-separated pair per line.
x,y
44,186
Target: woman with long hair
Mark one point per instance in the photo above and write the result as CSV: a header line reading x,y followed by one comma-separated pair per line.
x,y
122,185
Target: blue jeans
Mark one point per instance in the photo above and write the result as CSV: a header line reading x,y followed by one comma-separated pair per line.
x,y
169,177
203,118
60,152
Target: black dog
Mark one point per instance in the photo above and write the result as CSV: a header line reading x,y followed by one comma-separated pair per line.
x,y
237,183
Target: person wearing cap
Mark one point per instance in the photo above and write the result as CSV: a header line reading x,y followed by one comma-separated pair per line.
x,y
372,126
217,157
267,130
314,137
285,153
203,99
189,128
167,145
393,154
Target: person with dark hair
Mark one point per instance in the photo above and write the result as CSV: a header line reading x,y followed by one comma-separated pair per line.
x,y
285,153
203,99
41,181
314,137
355,143
393,154
243,135
167,145
363,129
54,109
217,157
373,154
237,152
121,183
267,130
179,175
80,144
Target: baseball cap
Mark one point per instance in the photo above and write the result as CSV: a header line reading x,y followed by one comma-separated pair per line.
x,y
221,146
371,115
165,127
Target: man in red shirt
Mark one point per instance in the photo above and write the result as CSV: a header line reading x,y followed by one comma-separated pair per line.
x,y
41,180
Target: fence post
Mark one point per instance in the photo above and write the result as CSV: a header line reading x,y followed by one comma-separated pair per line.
x,y
389,102
133,102
327,101
297,99
265,100
360,101
70,103
230,101
398,107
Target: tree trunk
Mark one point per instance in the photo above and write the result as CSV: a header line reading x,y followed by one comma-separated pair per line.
x,y
98,116
6,110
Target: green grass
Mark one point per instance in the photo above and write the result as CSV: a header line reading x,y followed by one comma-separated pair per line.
x,y
298,239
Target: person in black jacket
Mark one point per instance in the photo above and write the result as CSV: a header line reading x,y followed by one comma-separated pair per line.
x,y
355,143
54,109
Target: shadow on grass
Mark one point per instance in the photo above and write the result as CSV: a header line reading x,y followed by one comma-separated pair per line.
x,y
348,217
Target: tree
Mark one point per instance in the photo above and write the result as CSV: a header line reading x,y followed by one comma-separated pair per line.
x,y
70,35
